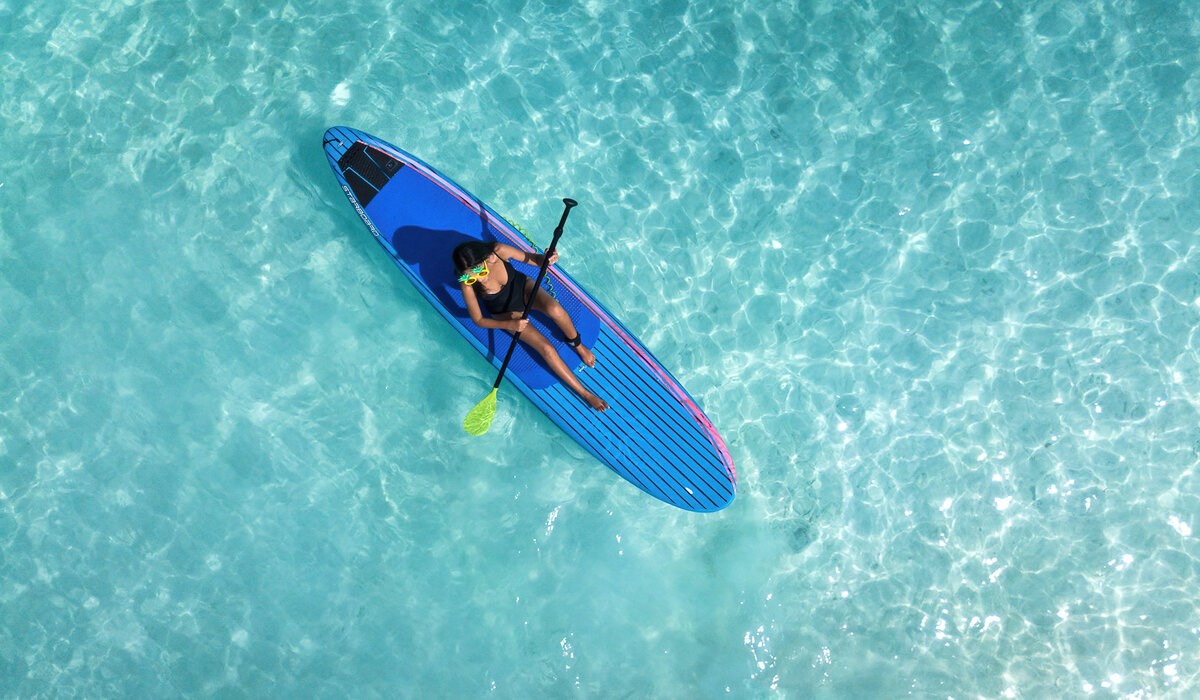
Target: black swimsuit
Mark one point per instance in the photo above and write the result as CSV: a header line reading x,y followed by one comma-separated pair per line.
x,y
510,297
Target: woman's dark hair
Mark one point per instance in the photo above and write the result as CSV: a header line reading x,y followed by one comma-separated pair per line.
x,y
471,253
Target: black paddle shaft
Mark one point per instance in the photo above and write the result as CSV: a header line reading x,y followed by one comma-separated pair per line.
x,y
537,284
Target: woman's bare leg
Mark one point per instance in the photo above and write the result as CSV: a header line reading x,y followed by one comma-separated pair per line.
x,y
550,306
534,339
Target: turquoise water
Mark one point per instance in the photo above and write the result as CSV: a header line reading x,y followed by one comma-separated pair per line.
x,y
931,268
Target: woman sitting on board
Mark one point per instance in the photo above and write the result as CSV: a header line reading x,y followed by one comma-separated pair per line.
x,y
488,278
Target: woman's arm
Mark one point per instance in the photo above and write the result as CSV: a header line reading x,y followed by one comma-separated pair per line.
x,y
482,321
507,252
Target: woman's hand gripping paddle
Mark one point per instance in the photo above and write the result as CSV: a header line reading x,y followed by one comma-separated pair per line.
x,y
479,419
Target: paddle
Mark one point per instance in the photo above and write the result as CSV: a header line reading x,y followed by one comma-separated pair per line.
x,y
479,419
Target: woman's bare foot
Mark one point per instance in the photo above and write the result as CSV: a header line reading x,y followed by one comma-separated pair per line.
x,y
595,401
586,355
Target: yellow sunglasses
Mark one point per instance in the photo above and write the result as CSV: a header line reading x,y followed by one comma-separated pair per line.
x,y
477,273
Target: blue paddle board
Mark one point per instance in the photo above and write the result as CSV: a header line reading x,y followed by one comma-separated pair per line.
x,y
654,434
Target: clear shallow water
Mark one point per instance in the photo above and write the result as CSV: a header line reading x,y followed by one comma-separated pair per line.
x,y
932,272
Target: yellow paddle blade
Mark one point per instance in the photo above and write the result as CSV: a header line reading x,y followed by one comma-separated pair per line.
x,y
480,418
